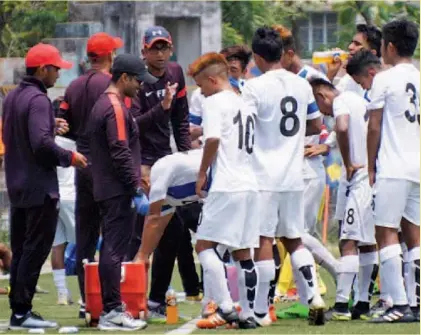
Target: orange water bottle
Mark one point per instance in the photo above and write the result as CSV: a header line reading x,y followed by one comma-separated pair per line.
x,y
172,311
327,57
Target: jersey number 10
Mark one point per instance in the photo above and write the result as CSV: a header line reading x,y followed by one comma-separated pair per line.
x,y
249,136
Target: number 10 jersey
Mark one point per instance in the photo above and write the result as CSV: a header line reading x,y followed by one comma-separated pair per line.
x,y
283,102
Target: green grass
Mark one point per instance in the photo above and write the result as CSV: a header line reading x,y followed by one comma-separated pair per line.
x,y
67,315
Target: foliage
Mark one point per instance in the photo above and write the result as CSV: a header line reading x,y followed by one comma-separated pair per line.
x,y
25,23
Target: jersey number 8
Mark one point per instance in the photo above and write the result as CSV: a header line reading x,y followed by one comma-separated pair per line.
x,y
249,136
289,108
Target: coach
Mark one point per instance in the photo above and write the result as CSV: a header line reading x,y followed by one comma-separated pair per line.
x,y
115,155
31,178
156,106
76,107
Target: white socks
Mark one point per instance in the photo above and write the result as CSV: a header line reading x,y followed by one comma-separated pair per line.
x,y
413,277
305,274
348,270
391,274
321,255
266,271
247,287
369,268
214,274
59,277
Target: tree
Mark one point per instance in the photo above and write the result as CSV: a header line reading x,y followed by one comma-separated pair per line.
x,y
25,23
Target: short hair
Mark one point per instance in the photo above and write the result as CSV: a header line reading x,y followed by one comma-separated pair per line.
x,y
115,76
30,71
287,37
238,52
360,61
267,43
373,35
403,35
319,82
207,60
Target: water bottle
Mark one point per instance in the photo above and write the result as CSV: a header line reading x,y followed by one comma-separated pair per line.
x,y
172,312
327,57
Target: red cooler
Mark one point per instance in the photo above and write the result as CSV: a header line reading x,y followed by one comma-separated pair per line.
x,y
133,291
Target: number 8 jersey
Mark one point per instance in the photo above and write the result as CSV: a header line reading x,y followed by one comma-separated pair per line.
x,y
396,90
227,118
283,102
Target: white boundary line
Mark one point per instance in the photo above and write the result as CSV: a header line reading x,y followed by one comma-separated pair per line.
x,y
185,329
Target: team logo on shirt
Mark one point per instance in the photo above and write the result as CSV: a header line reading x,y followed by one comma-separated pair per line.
x,y
159,93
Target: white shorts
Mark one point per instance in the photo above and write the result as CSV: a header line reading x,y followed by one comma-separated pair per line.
x,y
282,214
231,219
340,201
394,199
313,193
66,223
358,221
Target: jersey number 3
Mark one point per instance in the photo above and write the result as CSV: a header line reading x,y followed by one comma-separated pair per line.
x,y
289,108
413,101
249,136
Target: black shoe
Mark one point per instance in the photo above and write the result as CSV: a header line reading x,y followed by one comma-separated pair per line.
x,y
82,311
395,314
30,320
361,311
248,323
416,312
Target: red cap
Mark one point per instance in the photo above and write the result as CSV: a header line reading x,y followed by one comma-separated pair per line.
x,y
103,44
45,54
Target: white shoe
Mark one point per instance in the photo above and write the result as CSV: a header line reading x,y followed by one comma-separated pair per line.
x,y
266,321
316,315
64,299
118,320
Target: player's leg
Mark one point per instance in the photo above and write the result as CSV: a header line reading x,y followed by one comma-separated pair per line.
x,y
264,256
87,228
390,198
274,281
313,191
411,235
219,224
291,228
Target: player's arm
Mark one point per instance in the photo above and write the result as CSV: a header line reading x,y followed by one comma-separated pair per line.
x,y
145,117
373,141
375,110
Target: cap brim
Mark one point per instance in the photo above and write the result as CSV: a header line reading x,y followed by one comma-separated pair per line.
x,y
156,39
118,42
62,64
147,78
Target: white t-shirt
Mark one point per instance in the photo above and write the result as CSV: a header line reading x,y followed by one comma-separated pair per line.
x,y
66,176
397,91
349,103
173,178
283,102
228,118
196,107
313,167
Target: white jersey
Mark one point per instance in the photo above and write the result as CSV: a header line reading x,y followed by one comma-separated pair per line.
x,y
396,90
66,176
173,178
283,102
228,118
349,103
196,107
313,167
347,83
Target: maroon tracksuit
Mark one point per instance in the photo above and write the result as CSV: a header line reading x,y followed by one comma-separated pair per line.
x,y
30,161
76,107
115,155
154,128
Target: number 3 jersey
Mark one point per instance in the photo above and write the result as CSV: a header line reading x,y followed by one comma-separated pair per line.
x,y
283,102
397,91
227,118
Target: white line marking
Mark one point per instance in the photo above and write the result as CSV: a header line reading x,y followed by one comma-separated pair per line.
x,y
185,329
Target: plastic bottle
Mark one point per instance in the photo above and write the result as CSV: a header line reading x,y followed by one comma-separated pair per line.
x,y
327,57
172,311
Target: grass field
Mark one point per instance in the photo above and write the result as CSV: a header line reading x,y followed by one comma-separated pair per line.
x,y
67,316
